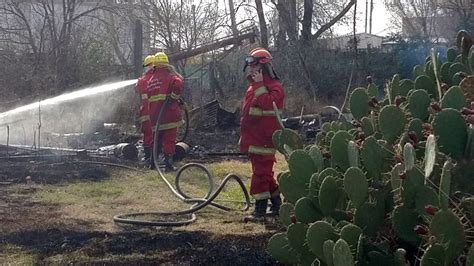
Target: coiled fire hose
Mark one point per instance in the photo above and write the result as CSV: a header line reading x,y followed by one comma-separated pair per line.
x,y
197,203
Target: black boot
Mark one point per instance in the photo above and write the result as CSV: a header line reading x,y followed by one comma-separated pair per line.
x,y
260,212
275,209
169,167
149,162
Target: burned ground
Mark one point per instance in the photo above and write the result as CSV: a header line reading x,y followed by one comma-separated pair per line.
x,y
54,212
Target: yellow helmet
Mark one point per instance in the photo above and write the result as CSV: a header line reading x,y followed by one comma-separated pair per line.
x,y
161,59
149,59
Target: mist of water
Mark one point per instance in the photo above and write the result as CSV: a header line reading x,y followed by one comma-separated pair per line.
x,y
68,113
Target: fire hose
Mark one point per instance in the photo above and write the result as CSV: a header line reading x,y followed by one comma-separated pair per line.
x,y
197,203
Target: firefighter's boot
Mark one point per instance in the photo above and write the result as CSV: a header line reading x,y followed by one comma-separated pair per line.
x,y
169,167
275,208
259,213
149,162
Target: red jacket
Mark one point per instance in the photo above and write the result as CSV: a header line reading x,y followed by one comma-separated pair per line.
x,y
162,85
258,120
141,88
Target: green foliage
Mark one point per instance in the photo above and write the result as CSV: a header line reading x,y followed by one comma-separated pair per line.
x,y
393,173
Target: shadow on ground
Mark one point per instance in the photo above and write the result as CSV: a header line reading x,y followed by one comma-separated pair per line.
x,y
160,247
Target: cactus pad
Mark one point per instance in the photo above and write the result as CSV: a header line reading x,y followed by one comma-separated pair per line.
x,y
279,248
416,125
291,189
451,131
392,121
328,195
395,180
286,211
356,186
373,157
342,255
339,149
318,233
418,103
358,103
302,166
449,232
288,137
351,233
430,155
328,248
426,83
306,212
373,90
296,235
434,255
317,157
454,69
367,126
370,218
406,85
454,98
409,156
452,53
404,220
425,196
445,185
444,71
353,154
418,71
410,186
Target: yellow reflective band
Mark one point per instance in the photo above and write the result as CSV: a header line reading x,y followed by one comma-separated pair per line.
x,y
260,91
259,112
144,96
144,118
262,196
169,125
174,96
261,150
157,98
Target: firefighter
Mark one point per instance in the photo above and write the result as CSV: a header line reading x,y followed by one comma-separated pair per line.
x,y
257,123
165,86
144,115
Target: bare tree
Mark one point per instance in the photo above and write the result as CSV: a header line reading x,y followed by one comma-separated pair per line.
x,y
262,23
414,17
45,28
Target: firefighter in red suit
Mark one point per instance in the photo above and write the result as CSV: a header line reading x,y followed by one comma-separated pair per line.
x,y
165,86
144,115
257,124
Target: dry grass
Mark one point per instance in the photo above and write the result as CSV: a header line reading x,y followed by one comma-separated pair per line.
x,y
87,207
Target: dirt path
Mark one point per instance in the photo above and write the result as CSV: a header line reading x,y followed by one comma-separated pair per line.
x,y
35,230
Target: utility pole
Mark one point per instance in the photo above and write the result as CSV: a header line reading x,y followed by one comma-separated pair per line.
x,y
366,13
371,11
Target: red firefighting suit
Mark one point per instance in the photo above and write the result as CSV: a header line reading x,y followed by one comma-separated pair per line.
x,y
163,85
144,115
257,124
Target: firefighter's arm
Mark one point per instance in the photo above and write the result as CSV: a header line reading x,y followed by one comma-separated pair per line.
x,y
266,95
176,87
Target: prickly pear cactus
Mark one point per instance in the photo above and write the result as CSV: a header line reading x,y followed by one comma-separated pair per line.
x,y
393,186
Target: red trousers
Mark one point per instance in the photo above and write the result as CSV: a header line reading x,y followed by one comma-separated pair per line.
x,y
167,140
147,134
263,182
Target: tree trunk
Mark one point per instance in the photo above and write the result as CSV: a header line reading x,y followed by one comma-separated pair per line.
x,y
307,21
263,25
233,23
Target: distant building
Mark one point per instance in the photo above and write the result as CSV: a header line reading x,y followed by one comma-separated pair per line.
x,y
365,41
